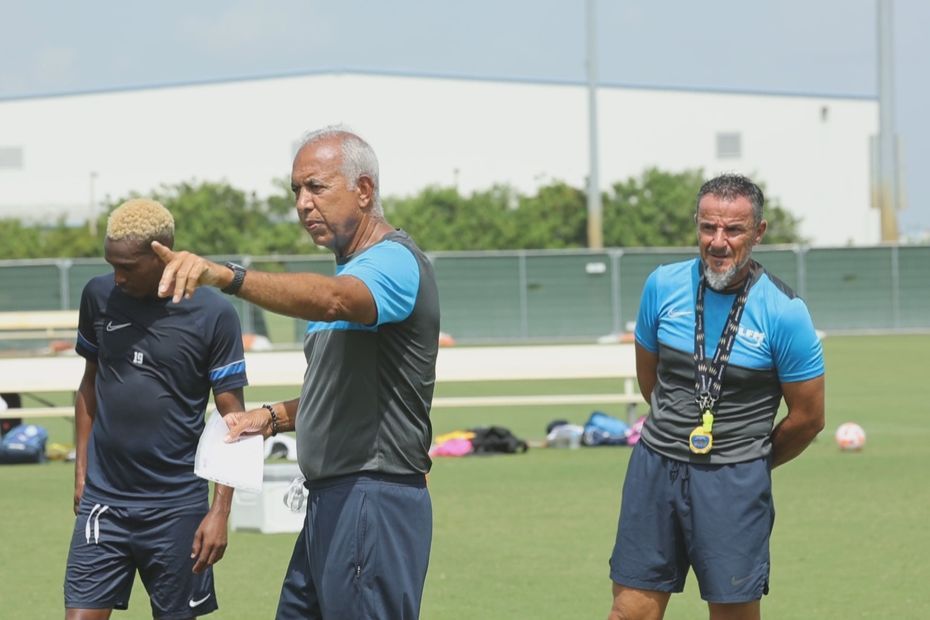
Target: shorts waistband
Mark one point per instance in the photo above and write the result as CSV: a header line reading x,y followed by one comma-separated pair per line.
x,y
413,480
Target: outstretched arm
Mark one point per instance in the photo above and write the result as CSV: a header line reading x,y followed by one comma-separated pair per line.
x,y
309,296
805,401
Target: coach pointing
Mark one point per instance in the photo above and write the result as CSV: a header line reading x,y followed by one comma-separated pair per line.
x,y
362,419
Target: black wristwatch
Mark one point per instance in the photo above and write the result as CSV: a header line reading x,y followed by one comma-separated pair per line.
x,y
238,278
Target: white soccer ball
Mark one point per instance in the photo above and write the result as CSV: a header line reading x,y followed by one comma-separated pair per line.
x,y
850,437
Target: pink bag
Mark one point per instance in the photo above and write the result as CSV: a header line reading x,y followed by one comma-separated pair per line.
x,y
635,431
457,446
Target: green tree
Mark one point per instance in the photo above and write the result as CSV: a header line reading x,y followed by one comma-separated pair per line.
x,y
653,209
218,219
555,218
440,218
19,241
657,209
212,218
782,225
63,240
281,233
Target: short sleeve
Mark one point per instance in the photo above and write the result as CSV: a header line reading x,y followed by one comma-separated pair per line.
x,y
392,275
227,358
647,321
797,349
87,345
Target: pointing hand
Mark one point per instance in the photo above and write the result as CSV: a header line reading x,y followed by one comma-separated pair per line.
x,y
184,272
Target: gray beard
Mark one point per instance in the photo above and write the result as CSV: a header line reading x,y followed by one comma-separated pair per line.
x,y
720,281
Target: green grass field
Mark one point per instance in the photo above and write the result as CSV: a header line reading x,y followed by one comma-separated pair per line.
x,y
529,536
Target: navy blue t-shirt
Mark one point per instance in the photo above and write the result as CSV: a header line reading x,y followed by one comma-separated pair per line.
x,y
156,364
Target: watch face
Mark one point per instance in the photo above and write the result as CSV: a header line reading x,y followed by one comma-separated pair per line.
x,y
700,441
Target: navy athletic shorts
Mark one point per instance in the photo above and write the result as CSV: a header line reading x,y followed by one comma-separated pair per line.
x,y
363,550
110,543
716,519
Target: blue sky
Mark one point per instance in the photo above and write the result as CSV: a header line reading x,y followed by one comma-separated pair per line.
x,y
783,46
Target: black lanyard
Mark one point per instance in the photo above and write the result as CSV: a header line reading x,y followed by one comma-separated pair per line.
x,y
708,378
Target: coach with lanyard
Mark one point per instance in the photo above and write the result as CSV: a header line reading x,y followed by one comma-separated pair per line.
x,y
362,419
719,343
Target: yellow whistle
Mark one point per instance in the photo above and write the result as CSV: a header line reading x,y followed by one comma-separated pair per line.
x,y
707,421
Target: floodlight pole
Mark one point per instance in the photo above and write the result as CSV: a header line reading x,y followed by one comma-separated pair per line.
x,y
595,224
888,191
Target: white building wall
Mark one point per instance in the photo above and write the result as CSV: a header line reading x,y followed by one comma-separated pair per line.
x,y
82,148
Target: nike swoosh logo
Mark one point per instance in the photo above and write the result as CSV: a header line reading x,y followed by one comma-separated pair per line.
x,y
112,328
738,582
194,603
674,314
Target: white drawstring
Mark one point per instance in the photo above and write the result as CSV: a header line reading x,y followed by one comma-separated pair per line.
x,y
102,509
97,524
87,525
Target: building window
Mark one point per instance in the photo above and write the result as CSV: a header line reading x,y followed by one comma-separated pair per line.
x,y
11,157
729,145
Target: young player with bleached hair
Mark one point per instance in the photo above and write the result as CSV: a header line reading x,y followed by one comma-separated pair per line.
x,y
149,369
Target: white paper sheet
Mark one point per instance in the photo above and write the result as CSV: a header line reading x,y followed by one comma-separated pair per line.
x,y
239,464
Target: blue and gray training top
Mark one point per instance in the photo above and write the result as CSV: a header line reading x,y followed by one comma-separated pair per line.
x,y
368,389
776,344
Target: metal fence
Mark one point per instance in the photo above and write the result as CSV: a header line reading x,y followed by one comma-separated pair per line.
x,y
563,295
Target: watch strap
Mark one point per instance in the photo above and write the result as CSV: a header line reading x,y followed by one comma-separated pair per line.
x,y
238,278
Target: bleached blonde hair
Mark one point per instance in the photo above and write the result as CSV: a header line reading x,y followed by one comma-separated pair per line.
x,y
141,219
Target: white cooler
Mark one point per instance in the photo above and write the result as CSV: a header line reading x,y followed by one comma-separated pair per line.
x,y
266,511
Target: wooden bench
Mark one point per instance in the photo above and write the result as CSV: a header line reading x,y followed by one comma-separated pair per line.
x,y
454,365
43,324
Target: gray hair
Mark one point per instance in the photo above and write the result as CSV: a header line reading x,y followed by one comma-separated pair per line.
x,y
732,186
358,159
